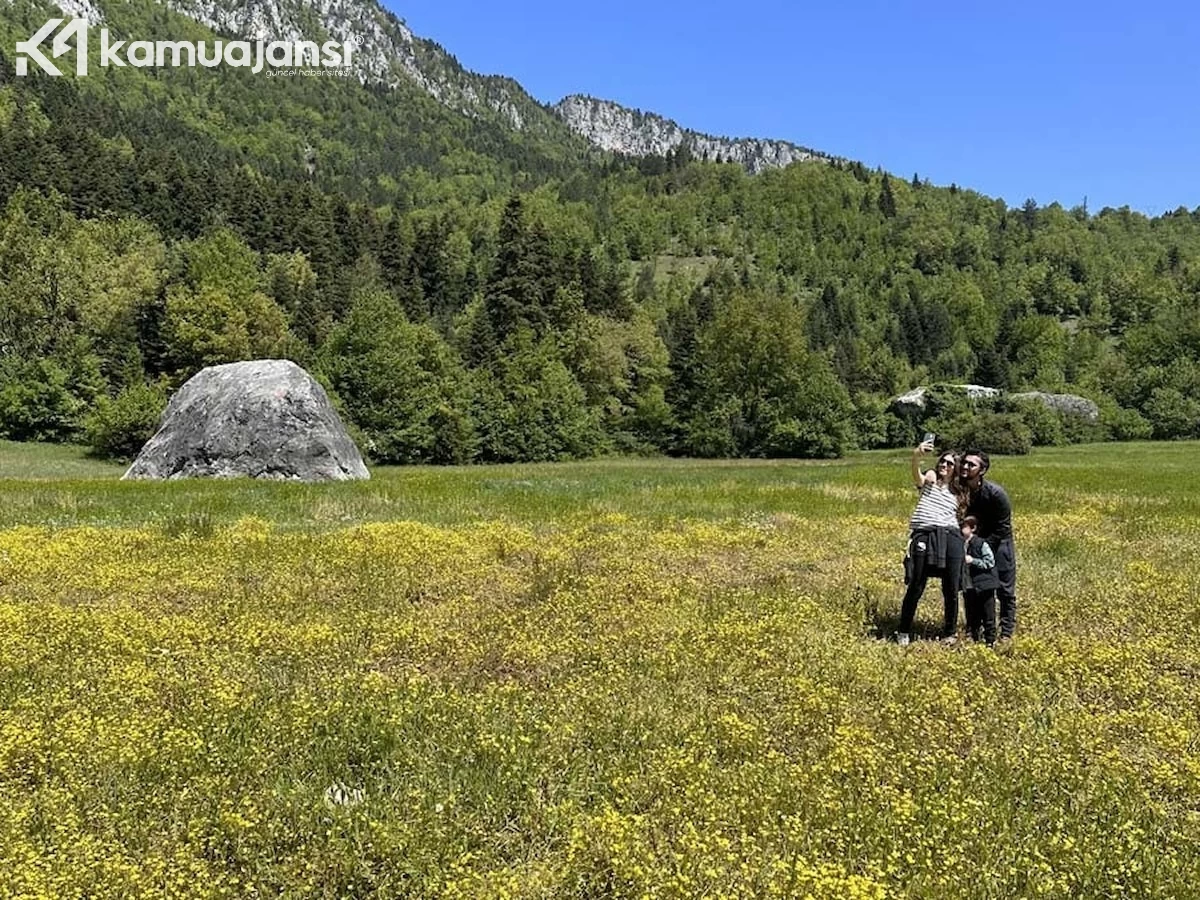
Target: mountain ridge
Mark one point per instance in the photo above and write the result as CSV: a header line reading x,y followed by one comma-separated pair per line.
x,y
633,132
386,49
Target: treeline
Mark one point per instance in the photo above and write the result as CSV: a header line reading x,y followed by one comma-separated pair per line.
x,y
471,294
550,356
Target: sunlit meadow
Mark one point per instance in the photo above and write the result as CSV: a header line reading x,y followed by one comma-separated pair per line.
x,y
610,679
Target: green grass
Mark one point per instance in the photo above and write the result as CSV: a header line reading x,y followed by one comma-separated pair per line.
x,y
52,462
43,484
617,678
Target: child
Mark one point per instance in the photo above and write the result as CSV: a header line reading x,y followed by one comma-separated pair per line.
x,y
980,581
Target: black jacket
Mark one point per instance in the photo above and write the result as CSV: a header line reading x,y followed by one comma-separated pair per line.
x,y
942,548
981,579
991,508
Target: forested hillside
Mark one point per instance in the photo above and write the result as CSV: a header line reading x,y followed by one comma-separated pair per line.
x,y
474,292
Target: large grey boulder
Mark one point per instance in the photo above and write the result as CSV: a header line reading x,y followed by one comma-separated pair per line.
x,y
1064,404
263,419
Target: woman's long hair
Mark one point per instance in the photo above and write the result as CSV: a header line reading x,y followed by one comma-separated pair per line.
x,y
958,487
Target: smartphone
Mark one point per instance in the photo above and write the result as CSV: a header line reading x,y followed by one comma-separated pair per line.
x,y
929,438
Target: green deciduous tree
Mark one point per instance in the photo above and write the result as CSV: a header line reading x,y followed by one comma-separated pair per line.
x,y
118,427
765,392
400,383
217,310
528,405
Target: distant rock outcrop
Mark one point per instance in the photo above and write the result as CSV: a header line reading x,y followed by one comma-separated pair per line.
x,y
1064,404
262,419
612,126
915,399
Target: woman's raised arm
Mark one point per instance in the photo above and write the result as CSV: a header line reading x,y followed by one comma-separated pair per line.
x,y
919,477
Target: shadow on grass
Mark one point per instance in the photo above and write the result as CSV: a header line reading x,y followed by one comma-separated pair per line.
x,y
881,619
884,625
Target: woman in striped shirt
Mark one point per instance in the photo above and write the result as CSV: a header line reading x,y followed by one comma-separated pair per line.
x,y
935,546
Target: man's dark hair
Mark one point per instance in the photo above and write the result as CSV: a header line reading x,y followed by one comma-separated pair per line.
x,y
983,458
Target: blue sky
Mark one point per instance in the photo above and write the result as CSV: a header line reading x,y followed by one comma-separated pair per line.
x,y
1055,101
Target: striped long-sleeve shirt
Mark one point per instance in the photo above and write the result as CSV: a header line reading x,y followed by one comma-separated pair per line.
x,y
937,507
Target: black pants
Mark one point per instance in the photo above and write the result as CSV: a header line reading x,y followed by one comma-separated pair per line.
x,y
1006,594
920,575
981,614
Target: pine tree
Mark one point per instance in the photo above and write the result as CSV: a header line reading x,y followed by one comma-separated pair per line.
x,y
511,294
887,201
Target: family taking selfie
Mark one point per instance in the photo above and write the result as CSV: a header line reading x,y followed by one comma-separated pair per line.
x,y
960,533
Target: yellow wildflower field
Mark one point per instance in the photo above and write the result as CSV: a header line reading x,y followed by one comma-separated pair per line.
x,y
627,679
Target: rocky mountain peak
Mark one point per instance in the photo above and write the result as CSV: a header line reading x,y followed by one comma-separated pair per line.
x,y
614,127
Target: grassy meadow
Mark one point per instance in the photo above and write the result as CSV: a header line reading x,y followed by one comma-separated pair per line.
x,y
606,679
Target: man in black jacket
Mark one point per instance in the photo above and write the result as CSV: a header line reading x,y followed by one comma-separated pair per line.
x,y
990,506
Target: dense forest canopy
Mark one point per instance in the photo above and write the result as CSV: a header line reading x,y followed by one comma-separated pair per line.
x,y
469,292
